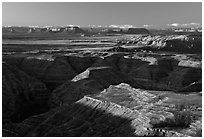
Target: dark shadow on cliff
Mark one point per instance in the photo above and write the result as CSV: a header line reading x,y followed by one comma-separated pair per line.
x,y
22,95
165,75
91,119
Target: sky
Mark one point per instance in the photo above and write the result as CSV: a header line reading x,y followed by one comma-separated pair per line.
x,y
100,13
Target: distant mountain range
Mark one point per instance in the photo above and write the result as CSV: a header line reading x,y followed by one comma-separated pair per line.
x,y
189,25
111,29
75,30
174,25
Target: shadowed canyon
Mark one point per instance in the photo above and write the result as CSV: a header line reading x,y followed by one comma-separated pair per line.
x,y
102,86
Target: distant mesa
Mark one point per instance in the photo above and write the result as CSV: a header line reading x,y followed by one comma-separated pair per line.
x,y
74,29
137,31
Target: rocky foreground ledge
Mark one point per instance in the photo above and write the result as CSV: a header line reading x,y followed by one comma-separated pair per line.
x,y
119,110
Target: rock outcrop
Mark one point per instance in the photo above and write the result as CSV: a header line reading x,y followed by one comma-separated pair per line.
x,y
144,71
52,73
170,43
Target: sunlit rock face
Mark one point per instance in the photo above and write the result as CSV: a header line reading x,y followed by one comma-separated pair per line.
x,y
170,43
119,110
